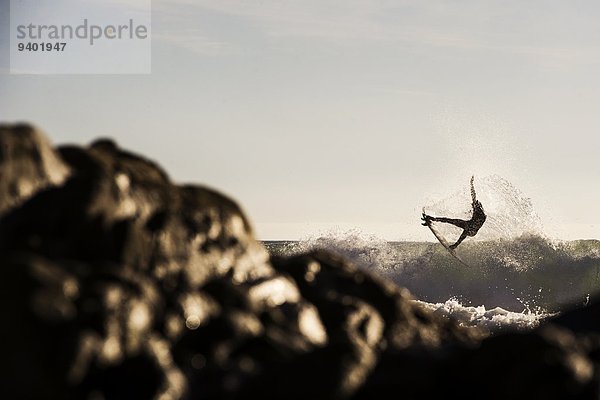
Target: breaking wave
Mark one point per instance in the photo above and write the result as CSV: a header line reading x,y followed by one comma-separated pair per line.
x,y
493,320
515,276
509,282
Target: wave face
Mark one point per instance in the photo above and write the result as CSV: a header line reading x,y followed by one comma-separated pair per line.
x,y
509,282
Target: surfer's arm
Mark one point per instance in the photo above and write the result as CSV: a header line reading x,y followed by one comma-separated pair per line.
x,y
473,195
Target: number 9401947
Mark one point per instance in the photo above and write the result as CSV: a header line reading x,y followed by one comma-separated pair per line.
x,y
42,46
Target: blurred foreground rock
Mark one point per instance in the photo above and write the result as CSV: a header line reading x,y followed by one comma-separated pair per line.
x,y
118,284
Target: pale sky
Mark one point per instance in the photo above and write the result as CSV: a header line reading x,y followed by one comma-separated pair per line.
x,y
350,114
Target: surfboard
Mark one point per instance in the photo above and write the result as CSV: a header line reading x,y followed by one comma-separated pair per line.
x,y
443,241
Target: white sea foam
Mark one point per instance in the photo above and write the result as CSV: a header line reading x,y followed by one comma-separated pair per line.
x,y
529,273
493,320
514,272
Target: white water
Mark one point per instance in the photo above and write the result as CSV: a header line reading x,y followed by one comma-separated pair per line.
x,y
494,319
516,276
510,284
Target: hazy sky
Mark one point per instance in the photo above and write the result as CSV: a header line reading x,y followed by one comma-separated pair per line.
x,y
314,114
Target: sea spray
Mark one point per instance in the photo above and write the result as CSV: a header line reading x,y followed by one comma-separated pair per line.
x,y
529,274
493,320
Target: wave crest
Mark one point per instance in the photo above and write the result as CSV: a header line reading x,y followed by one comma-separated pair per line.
x,y
526,272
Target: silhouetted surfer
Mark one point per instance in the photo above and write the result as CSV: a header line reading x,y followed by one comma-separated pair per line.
x,y
470,227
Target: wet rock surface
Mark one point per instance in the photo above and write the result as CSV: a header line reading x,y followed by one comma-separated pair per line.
x,y
118,284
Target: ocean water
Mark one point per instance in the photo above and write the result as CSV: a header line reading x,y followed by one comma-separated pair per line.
x,y
508,283
515,275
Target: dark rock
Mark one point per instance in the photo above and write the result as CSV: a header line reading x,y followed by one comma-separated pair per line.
x,y
548,363
581,319
27,164
111,261
118,284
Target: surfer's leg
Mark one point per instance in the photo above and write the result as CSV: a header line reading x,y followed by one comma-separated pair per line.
x,y
457,222
426,219
460,239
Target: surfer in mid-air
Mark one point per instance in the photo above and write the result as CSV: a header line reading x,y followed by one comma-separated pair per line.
x,y
470,227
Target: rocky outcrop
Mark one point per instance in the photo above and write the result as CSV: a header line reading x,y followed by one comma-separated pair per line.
x,y
27,164
118,284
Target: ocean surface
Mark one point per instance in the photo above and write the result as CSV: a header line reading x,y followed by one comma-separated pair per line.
x,y
515,275
508,283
